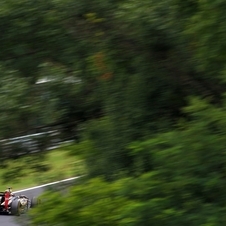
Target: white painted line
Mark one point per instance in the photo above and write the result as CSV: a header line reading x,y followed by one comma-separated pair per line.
x,y
44,185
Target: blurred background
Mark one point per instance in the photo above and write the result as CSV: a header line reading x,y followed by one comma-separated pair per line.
x,y
133,92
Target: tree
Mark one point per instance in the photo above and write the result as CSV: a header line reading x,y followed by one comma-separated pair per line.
x,y
140,63
189,166
96,203
183,185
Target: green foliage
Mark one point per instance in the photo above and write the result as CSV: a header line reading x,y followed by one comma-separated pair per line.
x,y
208,46
123,71
36,169
189,163
180,180
105,157
33,32
23,107
94,203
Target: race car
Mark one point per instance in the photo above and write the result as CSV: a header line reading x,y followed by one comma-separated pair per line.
x,y
15,205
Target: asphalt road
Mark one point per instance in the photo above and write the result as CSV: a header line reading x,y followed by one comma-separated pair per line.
x,y
6,220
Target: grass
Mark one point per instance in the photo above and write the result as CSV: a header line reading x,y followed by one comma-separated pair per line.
x,y
23,173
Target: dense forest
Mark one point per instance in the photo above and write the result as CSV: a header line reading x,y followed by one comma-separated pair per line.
x,y
140,85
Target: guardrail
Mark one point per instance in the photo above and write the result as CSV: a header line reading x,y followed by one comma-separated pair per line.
x,y
29,144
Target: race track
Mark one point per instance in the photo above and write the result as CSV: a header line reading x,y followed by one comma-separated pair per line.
x,y
6,220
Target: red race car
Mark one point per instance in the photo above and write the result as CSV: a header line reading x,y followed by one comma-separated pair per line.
x,y
15,205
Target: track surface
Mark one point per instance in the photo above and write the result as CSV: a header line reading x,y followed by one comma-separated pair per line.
x,y
6,220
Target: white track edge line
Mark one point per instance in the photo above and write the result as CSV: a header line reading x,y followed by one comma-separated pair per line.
x,y
44,185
